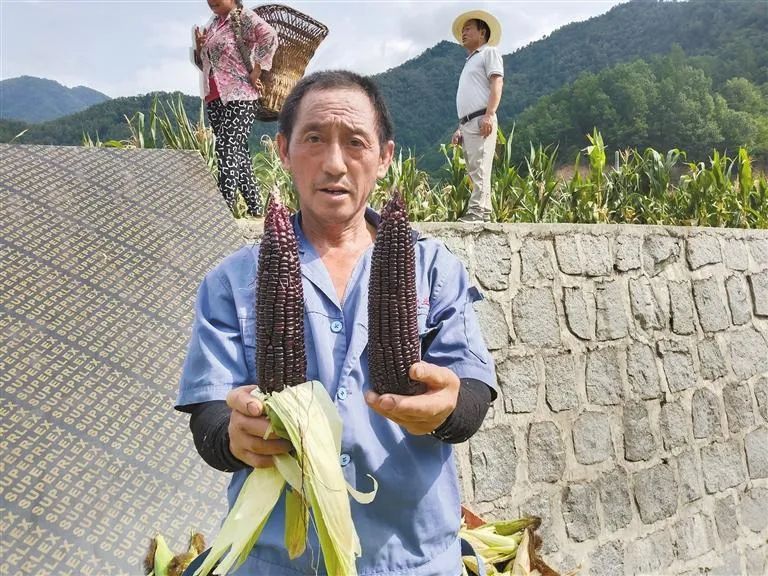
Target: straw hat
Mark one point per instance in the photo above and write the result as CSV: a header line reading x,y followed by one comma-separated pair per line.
x,y
489,19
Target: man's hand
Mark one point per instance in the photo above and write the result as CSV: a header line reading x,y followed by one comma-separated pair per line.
x,y
456,139
486,124
422,413
247,429
200,36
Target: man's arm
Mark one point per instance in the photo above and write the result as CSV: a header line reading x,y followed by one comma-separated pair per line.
x,y
486,124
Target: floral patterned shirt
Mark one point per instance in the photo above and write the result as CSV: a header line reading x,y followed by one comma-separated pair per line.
x,y
222,60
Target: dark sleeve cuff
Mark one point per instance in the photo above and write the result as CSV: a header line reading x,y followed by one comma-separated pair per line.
x,y
209,423
475,397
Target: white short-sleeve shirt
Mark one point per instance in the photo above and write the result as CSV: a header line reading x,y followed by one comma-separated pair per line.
x,y
474,82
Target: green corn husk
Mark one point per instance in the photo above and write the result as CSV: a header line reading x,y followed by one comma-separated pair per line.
x,y
306,416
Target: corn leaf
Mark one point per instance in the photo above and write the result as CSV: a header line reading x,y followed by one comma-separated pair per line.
x,y
163,556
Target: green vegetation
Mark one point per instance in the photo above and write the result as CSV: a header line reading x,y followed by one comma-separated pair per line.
x,y
628,186
665,103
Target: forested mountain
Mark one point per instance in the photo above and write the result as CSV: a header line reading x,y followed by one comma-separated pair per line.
x,y
106,121
30,99
729,38
712,43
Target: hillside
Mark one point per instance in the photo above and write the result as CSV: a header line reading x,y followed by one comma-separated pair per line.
x,y
729,35
106,121
724,39
30,99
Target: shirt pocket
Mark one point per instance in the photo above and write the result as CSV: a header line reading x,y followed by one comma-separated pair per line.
x,y
248,333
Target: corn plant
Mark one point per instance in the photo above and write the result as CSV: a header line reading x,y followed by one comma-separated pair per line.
x,y
506,181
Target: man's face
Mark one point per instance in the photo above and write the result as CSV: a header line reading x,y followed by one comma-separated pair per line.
x,y
471,36
334,154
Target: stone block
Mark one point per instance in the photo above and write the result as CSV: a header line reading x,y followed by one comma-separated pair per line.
x,y
738,406
567,252
674,423
493,255
560,381
706,414
645,308
616,500
689,473
611,314
519,383
592,438
753,508
722,466
493,324
540,505
758,284
456,242
580,511
659,251
725,519
749,353
642,373
693,536
596,251
735,254
535,317
711,359
639,443
678,364
628,250
546,452
579,312
738,300
655,493
604,381
682,307
536,262
757,560
710,305
651,554
494,463
758,248
756,448
761,395
607,559
703,249
729,565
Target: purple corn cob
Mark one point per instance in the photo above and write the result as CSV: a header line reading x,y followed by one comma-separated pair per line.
x,y
280,355
393,331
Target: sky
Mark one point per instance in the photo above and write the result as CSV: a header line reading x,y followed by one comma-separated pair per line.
x,y
130,47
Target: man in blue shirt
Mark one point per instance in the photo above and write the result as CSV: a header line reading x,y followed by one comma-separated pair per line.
x,y
336,140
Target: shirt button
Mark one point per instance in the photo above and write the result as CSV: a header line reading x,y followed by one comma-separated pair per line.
x,y
341,394
336,326
344,459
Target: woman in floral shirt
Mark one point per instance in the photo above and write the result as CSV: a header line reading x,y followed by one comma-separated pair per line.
x,y
232,93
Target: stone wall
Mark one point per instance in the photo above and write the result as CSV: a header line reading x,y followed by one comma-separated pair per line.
x,y
633,414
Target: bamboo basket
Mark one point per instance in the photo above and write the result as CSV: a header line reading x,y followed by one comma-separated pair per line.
x,y
298,37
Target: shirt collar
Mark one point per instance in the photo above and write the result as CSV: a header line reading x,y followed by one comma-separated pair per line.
x,y
371,216
478,50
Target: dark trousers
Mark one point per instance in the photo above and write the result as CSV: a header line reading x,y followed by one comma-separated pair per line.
x,y
232,123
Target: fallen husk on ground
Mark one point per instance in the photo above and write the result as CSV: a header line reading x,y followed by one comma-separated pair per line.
x,y
506,547
161,561
306,416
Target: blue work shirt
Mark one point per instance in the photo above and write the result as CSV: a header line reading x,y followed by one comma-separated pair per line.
x,y
411,526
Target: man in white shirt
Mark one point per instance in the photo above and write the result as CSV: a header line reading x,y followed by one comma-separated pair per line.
x,y
477,100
